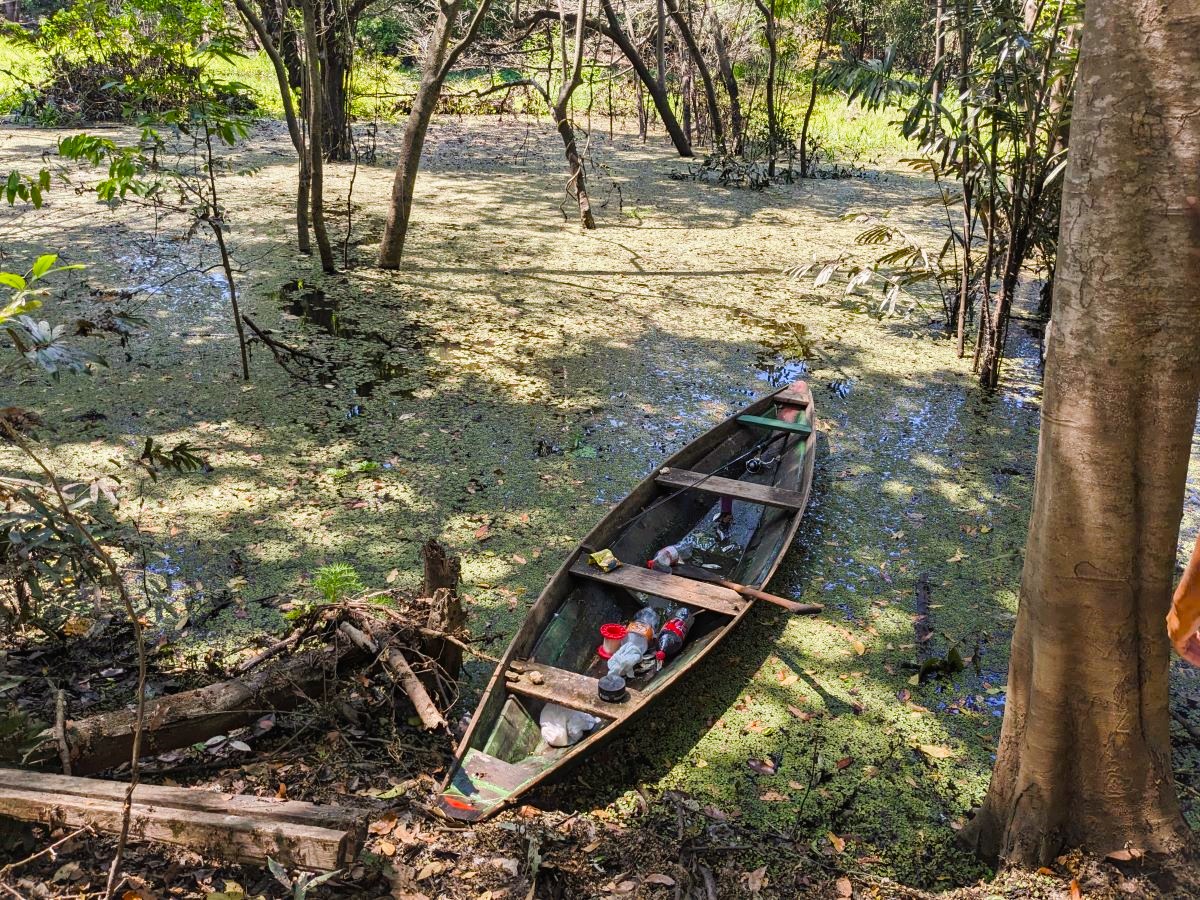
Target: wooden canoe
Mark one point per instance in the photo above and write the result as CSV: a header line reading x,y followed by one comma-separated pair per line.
x,y
762,458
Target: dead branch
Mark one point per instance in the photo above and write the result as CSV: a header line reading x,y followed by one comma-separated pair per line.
x,y
397,666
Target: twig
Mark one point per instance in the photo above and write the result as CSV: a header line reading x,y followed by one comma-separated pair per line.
x,y
274,650
1188,726
277,346
50,849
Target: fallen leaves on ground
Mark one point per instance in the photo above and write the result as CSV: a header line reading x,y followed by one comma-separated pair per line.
x,y
838,843
763,766
755,881
936,751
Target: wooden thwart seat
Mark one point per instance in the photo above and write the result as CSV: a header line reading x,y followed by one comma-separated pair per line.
x,y
765,494
660,584
569,689
800,426
794,398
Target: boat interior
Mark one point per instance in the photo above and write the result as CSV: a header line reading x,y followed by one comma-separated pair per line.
x,y
759,467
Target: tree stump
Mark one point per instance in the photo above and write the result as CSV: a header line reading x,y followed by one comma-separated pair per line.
x,y
446,613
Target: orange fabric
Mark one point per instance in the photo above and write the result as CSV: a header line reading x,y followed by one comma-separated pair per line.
x,y
1183,622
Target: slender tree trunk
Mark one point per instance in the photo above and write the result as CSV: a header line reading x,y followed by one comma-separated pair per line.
x,y
315,122
1085,754
772,60
439,59
660,45
710,90
560,110
812,94
295,131
662,102
424,104
939,51
729,79
285,37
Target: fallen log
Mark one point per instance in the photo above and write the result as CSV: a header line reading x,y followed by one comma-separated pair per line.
x,y
105,740
237,828
397,666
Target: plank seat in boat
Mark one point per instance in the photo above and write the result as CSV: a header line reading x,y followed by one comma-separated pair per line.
x,y
569,689
800,426
793,398
765,494
671,587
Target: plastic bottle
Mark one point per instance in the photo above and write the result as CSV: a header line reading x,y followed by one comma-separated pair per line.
x,y
669,557
674,633
639,634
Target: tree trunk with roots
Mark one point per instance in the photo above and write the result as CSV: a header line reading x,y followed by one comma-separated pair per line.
x,y
1085,756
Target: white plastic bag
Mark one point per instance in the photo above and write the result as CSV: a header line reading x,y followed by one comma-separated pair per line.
x,y
562,727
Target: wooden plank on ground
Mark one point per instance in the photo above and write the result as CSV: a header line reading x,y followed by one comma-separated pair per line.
x,y
659,584
766,494
569,689
800,426
322,816
227,836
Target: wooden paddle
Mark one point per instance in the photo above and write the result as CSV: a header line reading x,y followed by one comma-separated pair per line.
x,y
698,574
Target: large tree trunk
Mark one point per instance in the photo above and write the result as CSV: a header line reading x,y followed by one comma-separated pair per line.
x,y
662,102
337,57
710,90
1085,755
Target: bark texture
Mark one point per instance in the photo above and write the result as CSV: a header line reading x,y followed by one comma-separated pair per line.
x,y
1085,756
710,89
391,248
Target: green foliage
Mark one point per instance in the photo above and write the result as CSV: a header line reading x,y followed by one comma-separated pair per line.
x,y
183,457
386,32
38,342
302,883
337,581
26,188
903,265
107,61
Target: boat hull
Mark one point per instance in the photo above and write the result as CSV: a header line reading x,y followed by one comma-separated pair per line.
x,y
552,657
